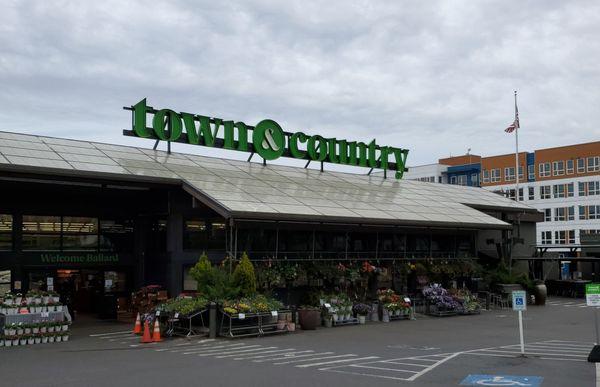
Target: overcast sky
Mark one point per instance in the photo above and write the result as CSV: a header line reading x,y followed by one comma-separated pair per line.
x,y
434,77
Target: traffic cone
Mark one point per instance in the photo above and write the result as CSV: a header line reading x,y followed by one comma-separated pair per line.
x,y
156,334
146,337
137,329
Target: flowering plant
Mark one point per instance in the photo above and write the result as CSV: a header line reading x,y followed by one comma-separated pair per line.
x,y
439,297
361,309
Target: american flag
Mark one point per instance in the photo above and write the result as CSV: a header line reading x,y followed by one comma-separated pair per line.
x,y
515,124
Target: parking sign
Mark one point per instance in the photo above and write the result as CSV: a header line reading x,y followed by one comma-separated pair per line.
x,y
519,300
592,294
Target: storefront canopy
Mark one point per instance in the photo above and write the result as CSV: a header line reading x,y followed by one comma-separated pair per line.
x,y
241,189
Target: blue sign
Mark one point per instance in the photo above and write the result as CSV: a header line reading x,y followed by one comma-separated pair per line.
x,y
502,380
519,300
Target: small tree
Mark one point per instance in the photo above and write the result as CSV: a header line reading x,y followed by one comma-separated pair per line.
x,y
202,272
244,277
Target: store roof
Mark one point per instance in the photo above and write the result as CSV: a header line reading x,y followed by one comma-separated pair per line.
x,y
250,190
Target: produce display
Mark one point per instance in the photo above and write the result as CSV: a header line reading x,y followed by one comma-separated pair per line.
x,y
34,333
183,306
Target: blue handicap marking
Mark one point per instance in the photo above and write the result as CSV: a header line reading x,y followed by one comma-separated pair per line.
x,y
519,301
502,380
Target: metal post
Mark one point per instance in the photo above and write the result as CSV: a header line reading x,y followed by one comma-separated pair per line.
x,y
212,320
596,325
521,333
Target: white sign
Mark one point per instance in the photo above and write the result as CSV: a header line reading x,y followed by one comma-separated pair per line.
x,y
157,313
176,315
242,316
327,305
406,299
50,281
274,313
519,300
592,294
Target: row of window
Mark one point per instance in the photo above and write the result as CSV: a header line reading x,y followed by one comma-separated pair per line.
x,y
562,214
547,169
463,179
561,237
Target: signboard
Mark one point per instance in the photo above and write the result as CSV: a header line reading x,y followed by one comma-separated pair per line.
x,y
83,258
592,294
502,380
268,139
519,300
50,283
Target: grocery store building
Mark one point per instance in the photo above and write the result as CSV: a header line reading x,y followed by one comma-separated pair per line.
x,y
112,218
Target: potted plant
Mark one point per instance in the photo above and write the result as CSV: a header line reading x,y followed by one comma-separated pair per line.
x,y
50,337
45,297
23,339
50,327
27,328
37,339
309,317
11,329
8,340
43,327
65,337
57,337
20,330
15,340
1,341
65,326
18,298
54,297
44,338
9,299
362,310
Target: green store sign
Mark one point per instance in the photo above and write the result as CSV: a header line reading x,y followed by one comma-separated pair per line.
x,y
267,139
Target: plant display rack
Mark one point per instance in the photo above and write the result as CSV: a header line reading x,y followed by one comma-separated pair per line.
x,y
34,328
250,324
433,311
402,316
182,325
350,321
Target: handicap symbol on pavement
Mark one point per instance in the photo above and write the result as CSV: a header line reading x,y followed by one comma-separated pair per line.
x,y
502,380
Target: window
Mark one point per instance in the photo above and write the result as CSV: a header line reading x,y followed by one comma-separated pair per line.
x,y
79,233
194,235
5,280
571,236
495,175
521,176
116,235
545,192
452,179
548,215
570,167
593,188
559,191
486,176
582,190
558,167
520,194
560,237
570,192
559,214
475,179
546,237
544,169
589,212
6,229
531,192
580,165
189,284
593,164
571,213
41,232
581,212
531,172
509,174
462,179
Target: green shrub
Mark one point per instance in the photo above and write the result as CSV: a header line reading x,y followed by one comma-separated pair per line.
x,y
244,277
202,273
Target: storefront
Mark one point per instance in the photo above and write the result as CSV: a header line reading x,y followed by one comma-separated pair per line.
x,y
96,219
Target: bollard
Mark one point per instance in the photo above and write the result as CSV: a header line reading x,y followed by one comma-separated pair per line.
x,y
212,320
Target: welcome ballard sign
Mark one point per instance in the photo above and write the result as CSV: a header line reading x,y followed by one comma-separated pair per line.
x,y
267,139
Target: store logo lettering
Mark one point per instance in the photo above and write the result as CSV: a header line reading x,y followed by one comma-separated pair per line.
x,y
268,139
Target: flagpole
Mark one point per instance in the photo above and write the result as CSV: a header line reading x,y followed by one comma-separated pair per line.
x,y
517,153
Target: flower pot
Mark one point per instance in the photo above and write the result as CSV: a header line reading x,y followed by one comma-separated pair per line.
x,y
18,300
541,293
281,325
22,341
51,339
27,331
45,299
50,329
328,322
19,331
56,299
291,326
51,308
8,301
385,316
57,339
65,327
334,316
59,308
11,332
309,318
37,300
65,338
38,340
44,339
43,329
35,330
29,300
31,341
7,343
15,342
362,319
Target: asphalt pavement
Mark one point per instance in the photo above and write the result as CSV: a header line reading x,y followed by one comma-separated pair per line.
x,y
428,351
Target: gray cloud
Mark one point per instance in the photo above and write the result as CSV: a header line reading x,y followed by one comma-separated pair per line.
x,y
435,77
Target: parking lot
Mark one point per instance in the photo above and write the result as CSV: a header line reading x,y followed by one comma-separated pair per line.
x,y
426,352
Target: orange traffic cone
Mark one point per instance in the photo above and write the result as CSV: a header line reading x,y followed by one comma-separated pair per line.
x,y
146,337
137,329
156,334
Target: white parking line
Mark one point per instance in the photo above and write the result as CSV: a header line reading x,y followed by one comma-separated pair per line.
x,y
336,361
426,370
318,358
295,357
401,363
198,348
531,353
216,349
597,374
548,349
110,333
234,351
275,354
382,368
261,351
